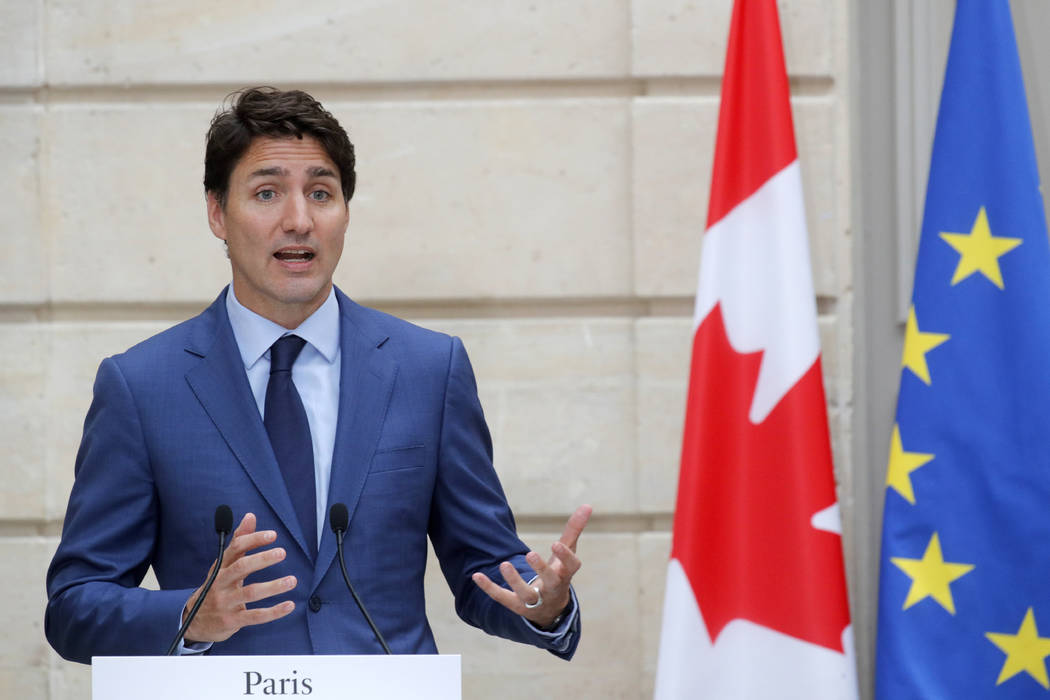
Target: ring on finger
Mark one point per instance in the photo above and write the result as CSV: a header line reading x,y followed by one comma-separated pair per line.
x,y
539,599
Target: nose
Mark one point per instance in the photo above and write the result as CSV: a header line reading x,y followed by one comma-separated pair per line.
x,y
296,215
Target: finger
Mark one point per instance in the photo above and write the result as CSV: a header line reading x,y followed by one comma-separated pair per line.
x,y
235,546
246,526
245,543
553,580
501,595
573,528
538,565
259,616
234,574
267,589
244,537
570,562
525,592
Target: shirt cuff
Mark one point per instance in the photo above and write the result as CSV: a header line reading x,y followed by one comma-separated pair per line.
x,y
191,649
559,636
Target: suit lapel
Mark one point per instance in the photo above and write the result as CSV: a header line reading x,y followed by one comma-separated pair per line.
x,y
221,385
366,382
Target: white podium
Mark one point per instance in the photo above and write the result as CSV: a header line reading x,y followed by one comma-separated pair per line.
x,y
435,677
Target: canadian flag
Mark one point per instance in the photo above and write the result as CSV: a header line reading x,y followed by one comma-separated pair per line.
x,y
756,602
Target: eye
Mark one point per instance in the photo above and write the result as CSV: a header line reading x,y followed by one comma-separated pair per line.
x,y
320,196
265,195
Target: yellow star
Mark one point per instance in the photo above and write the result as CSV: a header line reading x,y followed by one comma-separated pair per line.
x,y
917,344
979,251
1025,651
931,576
902,464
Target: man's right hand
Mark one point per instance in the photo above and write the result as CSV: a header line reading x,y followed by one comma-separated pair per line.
x,y
225,609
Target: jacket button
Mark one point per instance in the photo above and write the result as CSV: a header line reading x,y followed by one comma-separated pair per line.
x,y
315,603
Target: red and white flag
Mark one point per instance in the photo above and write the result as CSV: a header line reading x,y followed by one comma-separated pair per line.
x,y
756,602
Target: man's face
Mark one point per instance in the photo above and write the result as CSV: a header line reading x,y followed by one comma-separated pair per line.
x,y
284,223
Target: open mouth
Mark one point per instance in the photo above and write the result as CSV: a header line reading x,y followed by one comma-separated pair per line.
x,y
294,255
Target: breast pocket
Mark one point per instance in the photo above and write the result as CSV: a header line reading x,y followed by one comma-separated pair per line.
x,y
398,471
399,458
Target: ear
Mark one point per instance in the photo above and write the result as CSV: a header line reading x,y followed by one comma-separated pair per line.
x,y
216,217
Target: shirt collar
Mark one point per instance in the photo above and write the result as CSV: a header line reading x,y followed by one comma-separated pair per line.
x,y
255,334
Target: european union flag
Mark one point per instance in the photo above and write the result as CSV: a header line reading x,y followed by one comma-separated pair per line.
x,y
964,600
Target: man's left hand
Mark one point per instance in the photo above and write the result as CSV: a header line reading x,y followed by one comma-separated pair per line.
x,y
551,586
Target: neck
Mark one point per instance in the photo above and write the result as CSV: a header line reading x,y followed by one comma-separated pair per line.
x,y
287,315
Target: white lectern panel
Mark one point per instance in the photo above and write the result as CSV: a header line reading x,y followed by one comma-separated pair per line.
x,y
436,677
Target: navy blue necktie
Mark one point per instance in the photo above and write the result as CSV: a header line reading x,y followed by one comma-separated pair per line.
x,y
289,431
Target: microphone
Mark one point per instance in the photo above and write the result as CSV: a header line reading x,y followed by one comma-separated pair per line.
x,y
223,526
339,519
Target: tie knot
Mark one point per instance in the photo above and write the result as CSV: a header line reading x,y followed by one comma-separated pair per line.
x,y
284,351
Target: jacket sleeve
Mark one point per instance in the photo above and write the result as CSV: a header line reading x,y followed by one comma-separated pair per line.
x,y
471,524
95,606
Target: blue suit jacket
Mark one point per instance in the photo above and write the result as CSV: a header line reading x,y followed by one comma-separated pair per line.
x,y
173,431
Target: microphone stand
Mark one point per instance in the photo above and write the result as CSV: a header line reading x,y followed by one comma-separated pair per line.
x,y
368,618
338,521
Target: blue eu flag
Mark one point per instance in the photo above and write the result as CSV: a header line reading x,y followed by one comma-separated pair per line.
x,y
964,599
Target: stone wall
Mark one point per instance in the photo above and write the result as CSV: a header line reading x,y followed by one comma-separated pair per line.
x,y
533,176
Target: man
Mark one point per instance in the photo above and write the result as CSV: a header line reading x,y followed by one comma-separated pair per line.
x,y
280,399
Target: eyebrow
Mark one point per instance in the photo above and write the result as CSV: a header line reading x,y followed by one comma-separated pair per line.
x,y
269,172
315,171
320,171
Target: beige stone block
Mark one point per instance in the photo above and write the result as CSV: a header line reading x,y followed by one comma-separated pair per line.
x,y
687,37
74,352
663,349
23,420
150,580
23,277
840,424
674,145
654,552
836,386
489,199
243,42
20,60
584,457
24,683
22,646
69,681
817,127
674,140
837,347
126,205
558,398
606,661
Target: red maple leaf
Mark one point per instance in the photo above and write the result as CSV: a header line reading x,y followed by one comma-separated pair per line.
x,y
746,497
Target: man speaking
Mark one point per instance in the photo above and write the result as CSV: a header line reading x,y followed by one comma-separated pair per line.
x,y
281,399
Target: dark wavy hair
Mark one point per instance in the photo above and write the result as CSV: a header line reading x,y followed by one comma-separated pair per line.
x,y
267,111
